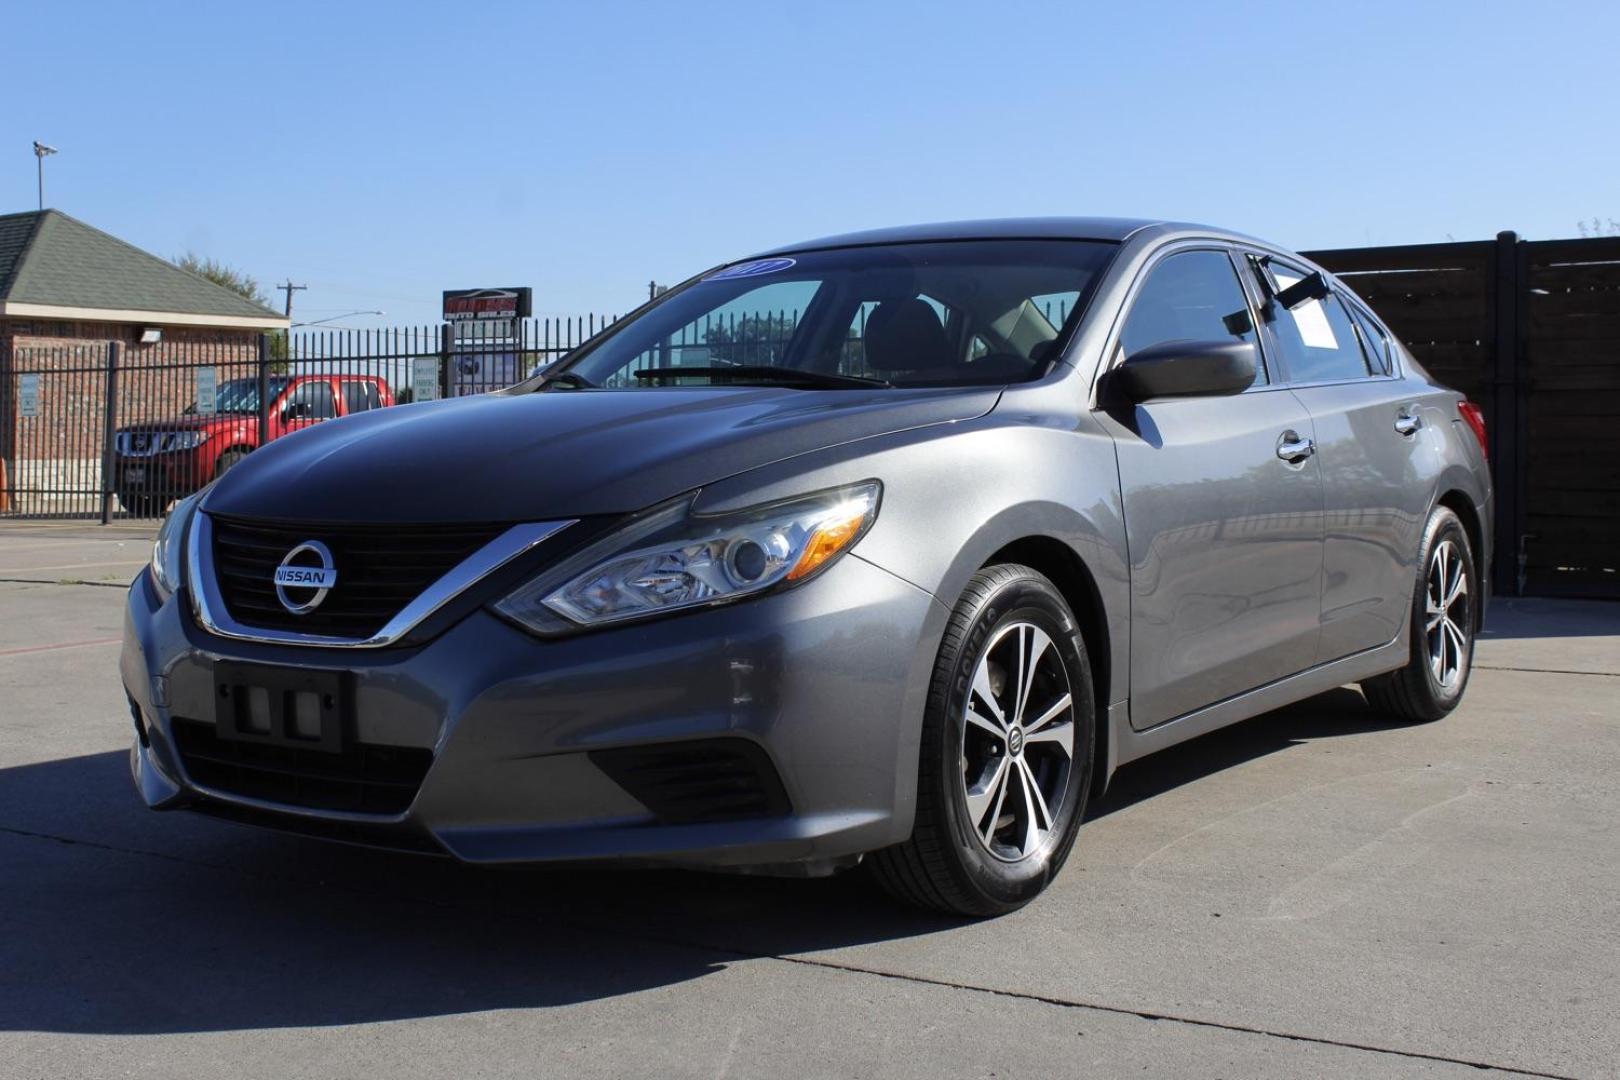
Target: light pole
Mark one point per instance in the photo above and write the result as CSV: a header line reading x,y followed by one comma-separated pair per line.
x,y
41,152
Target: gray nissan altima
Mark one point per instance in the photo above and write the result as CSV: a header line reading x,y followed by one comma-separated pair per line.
x,y
886,547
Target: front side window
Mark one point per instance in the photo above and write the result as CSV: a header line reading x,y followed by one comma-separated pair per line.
x,y
316,397
1190,296
955,313
1316,339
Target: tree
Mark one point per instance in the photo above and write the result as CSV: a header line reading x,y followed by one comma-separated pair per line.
x,y
239,282
752,339
1599,227
244,285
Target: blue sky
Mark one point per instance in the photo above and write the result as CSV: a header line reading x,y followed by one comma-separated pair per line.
x,y
383,152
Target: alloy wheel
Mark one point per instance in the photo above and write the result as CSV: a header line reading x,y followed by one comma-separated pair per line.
x,y
1017,742
1447,614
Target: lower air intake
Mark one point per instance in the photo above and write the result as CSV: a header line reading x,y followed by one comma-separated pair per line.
x,y
703,780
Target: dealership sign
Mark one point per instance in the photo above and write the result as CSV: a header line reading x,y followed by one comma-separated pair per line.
x,y
461,305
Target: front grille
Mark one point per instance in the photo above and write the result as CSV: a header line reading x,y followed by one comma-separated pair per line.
x,y
363,779
702,780
380,569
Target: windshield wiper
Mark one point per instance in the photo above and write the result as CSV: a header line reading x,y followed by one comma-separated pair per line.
x,y
756,373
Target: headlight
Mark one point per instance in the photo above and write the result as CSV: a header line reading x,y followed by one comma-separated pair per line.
x,y
185,440
673,560
169,549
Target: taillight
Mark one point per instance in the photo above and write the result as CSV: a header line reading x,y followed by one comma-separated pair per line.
x,y
1474,417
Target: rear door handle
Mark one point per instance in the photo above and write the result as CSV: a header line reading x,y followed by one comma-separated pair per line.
x,y
1408,421
1293,449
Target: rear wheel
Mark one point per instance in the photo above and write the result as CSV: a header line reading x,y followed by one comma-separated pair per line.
x,y
1007,740
1444,618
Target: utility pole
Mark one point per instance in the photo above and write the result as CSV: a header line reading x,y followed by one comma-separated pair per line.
x,y
289,288
41,152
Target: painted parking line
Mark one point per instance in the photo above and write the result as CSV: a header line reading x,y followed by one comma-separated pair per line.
x,y
61,645
69,566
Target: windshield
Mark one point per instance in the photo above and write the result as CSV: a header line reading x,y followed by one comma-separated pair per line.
x,y
242,396
955,313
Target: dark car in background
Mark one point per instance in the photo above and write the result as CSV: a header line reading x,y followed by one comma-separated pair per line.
x,y
157,462
888,547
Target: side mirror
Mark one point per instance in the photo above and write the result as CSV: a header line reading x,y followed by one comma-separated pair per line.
x,y
297,410
1187,369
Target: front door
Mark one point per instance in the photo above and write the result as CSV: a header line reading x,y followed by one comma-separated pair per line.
x,y
1223,510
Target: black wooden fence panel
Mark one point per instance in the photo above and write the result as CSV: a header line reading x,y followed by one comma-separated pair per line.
x,y
1530,330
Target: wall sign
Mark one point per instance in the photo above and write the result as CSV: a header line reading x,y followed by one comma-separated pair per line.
x,y
28,395
207,391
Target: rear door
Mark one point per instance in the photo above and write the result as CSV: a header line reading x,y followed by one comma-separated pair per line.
x,y
1223,509
1372,449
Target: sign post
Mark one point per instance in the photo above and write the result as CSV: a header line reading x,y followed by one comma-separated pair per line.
x,y
485,327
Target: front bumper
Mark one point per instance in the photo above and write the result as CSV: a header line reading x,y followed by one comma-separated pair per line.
x,y
172,472
825,684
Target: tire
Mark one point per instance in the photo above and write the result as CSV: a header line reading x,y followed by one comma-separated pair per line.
x,y
227,460
948,863
1432,682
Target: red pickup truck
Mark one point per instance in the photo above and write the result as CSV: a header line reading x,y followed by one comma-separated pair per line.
x,y
154,463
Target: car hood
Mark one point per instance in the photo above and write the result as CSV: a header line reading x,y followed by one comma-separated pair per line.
x,y
533,456
190,423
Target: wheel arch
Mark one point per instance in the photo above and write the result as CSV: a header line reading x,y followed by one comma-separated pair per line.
x,y
1068,571
1458,502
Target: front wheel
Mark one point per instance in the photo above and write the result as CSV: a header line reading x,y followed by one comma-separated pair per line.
x,y
1444,617
142,504
228,461
1007,741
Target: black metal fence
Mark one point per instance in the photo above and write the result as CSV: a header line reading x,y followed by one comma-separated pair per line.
x,y
1530,330
119,429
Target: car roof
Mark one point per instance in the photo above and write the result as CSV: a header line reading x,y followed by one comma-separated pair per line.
x,y
1033,228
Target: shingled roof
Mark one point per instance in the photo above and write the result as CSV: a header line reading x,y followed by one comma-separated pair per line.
x,y
53,266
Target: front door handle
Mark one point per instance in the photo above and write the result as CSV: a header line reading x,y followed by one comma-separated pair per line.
x,y
1407,421
1293,449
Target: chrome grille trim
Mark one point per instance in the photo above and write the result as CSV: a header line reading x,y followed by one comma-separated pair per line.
x,y
209,606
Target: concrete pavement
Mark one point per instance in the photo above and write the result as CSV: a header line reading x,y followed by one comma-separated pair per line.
x,y
1315,892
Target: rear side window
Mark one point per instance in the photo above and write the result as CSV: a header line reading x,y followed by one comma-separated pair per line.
x,y
359,396
1380,355
1316,339
1190,296
318,396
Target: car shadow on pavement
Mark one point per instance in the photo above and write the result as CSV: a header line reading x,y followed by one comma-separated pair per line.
x,y
1338,712
115,920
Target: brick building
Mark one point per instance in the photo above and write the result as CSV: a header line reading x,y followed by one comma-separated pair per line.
x,y
67,292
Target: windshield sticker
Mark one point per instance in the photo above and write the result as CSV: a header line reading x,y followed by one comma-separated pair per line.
x,y
757,268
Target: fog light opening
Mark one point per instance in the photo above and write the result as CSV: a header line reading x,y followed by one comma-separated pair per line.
x,y
139,721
